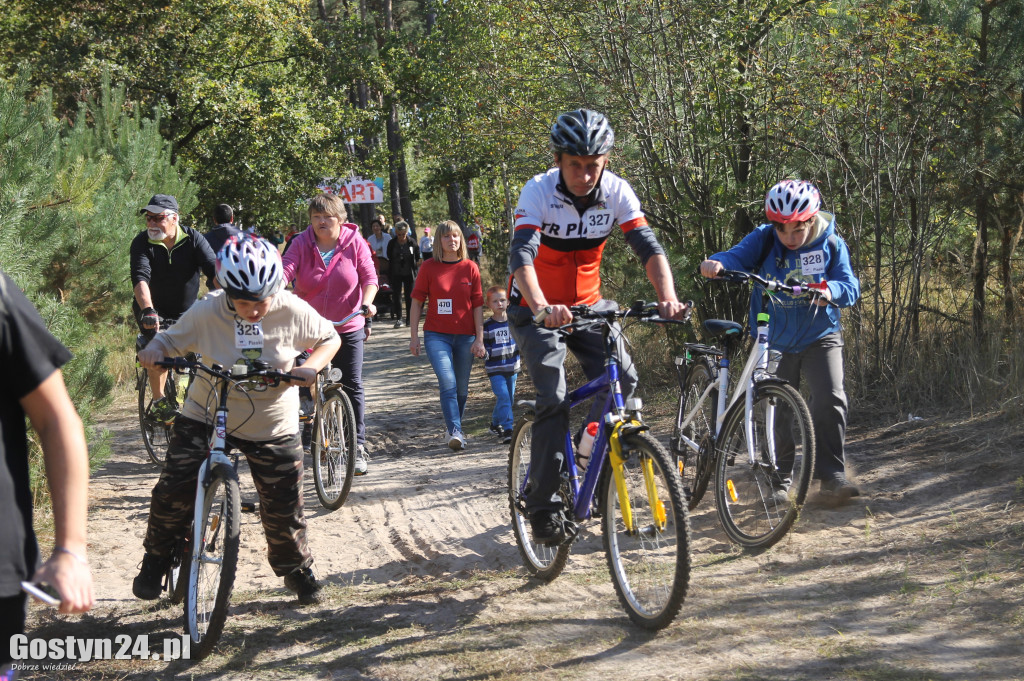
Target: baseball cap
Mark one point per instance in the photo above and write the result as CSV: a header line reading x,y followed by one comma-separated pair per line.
x,y
160,204
426,230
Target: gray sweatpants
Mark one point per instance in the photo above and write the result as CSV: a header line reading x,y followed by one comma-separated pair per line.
x,y
821,364
543,351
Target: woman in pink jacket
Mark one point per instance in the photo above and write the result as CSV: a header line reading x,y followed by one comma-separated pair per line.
x,y
332,266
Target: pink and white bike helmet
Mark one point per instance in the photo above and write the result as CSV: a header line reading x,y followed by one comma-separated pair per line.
x,y
792,201
249,268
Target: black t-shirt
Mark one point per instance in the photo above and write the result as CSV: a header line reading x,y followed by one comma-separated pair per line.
x,y
173,276
29,354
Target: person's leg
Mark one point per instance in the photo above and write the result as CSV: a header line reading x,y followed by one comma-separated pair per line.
x,y
408,297
502,403
462,363
789,370
171,505
174,494
349,359
438,347
823,371
543,354
276,467
12,623
510,386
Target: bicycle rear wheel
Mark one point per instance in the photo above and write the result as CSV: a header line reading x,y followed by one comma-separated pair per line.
x,y
333,449
214,559
758,501
649,557
544,562
695,467
155,435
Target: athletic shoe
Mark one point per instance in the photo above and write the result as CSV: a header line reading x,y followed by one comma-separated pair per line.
x,y
457,441
150,580
163,410
399,324
497,430
838,488
506,438
547,528
362,460
304,584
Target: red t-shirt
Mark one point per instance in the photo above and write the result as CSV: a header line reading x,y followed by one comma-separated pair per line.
x,y
452,290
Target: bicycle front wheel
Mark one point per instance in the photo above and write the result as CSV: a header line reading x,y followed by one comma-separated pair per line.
x,y
213,563
647,533
155,435
177,573
762,473
695,465
543,562
333,449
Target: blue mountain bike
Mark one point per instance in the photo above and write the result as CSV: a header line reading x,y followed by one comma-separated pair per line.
x,y
631,483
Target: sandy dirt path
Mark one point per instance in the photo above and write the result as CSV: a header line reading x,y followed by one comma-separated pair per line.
x,y
919,578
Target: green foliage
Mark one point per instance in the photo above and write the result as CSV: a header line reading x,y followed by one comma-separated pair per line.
x,y
69,199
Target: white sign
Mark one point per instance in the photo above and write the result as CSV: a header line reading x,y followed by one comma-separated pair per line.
x,y
355,189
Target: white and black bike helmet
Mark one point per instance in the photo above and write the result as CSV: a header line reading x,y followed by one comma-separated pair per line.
x,y
249,268
582,133
792,201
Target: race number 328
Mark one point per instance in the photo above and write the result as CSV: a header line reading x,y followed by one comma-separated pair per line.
x,y
812,262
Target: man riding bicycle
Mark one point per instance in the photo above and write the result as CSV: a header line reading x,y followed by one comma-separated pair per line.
x,y
166,260
250,319
563,220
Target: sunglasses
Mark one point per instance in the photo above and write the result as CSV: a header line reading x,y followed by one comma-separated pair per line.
x,y
157,218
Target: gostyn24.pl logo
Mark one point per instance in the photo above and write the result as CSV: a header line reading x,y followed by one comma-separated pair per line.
x,y
28,651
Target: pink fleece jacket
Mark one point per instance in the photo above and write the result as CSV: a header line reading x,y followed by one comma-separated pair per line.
x,y
334,290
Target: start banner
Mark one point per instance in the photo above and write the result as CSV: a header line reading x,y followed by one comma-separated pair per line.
x,y
355,189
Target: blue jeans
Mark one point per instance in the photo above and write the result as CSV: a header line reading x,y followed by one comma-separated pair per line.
x,y
504,387
449,354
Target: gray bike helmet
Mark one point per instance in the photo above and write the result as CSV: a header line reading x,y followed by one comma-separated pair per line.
x,y
582,133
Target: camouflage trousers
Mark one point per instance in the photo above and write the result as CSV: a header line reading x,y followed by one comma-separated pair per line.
x,y
276,467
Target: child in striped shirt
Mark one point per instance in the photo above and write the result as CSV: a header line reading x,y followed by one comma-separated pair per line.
x,y
501,363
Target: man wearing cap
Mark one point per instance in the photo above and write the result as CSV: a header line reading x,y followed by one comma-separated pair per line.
x,y
426,245
166,260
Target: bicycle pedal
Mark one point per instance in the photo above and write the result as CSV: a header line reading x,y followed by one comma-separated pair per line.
x,y
249,506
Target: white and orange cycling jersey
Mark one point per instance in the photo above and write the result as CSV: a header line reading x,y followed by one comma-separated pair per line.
x,y
563,236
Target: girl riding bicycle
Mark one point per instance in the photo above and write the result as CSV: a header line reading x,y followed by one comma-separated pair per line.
x,y
801,242
249,319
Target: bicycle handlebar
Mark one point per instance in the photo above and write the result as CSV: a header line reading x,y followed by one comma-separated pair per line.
x,y
792,286
584,315
259,370
363,310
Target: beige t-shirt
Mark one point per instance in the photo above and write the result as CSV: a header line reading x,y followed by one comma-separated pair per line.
x,y
209,327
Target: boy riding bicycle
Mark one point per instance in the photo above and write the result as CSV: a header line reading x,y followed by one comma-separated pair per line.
x,y
801,242
249,319
563,220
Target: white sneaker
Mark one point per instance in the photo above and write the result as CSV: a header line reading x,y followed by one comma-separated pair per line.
x,y
362,460
457,441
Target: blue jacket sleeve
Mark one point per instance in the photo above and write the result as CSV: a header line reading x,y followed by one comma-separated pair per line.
x,y
745,255
842,282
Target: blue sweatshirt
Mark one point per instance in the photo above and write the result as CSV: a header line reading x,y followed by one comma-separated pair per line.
x,y
796,323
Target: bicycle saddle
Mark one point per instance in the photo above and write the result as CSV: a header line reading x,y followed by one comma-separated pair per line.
x,y
721,327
